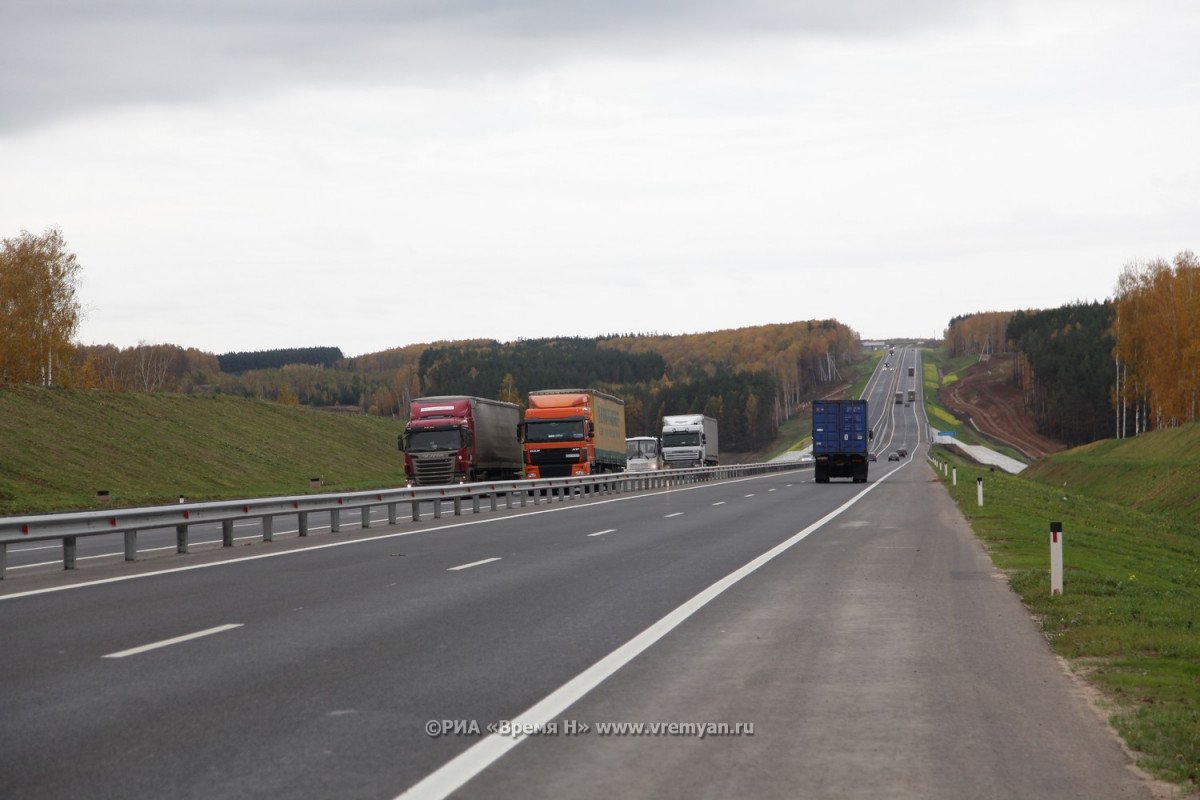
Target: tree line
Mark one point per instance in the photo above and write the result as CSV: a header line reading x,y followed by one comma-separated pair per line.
x,y
974,334
1089,371
751,379
1064,358
237,363
1156,360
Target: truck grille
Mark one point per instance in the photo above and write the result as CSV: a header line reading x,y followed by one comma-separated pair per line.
x,y
553,463
433,471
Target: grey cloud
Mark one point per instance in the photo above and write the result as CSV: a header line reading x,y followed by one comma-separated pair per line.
x,y
60,59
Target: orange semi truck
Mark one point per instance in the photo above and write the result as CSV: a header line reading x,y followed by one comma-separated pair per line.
x,y
573,432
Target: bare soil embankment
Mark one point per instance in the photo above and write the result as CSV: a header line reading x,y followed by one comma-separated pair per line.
x,y
988,398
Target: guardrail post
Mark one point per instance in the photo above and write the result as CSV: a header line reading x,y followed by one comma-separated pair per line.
x,y
131,545
474,504
268,528
508,499
366,516
391,507
3,559
68,552
227,533
458,506
181,538
416,510
437,508
335,520
302,523
492,499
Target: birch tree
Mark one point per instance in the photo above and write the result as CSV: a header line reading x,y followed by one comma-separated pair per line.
x,y
39,312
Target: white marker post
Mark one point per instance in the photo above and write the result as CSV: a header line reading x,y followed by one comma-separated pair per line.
x,y
979,490
955,476
1056,564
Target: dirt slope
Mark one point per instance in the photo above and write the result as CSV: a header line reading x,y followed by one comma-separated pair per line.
x,y
987,396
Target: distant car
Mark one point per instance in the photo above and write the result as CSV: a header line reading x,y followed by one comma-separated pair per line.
x,y
902,452
893,456
872,457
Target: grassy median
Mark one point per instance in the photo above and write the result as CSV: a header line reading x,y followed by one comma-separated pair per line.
x,y
1129,617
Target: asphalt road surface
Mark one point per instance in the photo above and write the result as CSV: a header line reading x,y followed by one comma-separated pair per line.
x,y
859,629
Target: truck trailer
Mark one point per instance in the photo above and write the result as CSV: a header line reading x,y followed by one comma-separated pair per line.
x,y
690,440
456,439
573,432
841,438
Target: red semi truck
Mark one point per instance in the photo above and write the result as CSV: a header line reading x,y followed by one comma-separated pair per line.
x,y
459,439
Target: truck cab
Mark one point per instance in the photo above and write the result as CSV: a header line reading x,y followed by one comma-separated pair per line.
x,y
436,451
568,432
689,440
460,439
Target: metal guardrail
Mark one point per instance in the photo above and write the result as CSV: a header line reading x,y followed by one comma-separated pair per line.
x,y
129,521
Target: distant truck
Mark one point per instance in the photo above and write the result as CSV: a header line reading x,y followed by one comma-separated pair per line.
x,y
912,395
841,438
899,398
573,432
456,439
912,371
690,440
642,454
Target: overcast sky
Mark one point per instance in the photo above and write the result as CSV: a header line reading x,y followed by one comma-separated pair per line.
x,y
373,173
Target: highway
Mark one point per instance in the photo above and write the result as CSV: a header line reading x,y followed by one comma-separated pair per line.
x,y
859,628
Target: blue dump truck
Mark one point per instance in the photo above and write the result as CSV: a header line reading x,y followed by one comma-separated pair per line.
x,y
841,437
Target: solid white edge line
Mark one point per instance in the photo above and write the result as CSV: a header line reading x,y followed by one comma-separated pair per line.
x,y
133,651
455,773
316,547
473,564
601,533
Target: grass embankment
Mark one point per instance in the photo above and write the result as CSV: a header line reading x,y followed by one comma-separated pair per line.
x,y
59,447
940,418
1129,618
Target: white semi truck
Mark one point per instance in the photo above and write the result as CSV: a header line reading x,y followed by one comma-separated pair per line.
x,y
690,440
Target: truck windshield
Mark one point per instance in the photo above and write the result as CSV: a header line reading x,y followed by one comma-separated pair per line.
x,y
426,441
553,430
641,449
681,439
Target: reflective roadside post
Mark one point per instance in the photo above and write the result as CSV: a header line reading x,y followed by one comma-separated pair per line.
x,y
979,491
1056,558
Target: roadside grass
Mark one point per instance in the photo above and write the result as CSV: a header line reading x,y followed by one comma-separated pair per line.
x,y
864,369
1155,472
58,447
1129,618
